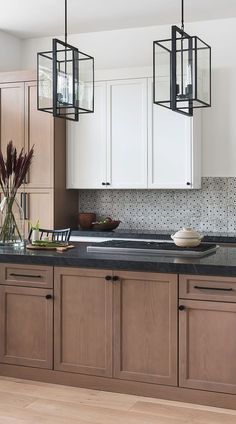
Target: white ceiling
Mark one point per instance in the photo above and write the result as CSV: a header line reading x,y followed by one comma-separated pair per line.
x,y
38,18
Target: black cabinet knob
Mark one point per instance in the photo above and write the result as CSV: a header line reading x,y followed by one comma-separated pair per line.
x,y
108,278
103,184
115,278
108,184
182,307
188,183
48,296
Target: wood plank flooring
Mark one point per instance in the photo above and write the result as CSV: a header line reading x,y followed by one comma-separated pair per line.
x,y
28,402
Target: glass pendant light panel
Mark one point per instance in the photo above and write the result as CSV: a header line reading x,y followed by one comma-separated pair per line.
x,y
162,73
184,73
45,81
85,87
203,72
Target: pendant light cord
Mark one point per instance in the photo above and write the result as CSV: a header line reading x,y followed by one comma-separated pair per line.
x,y
182,15
66,21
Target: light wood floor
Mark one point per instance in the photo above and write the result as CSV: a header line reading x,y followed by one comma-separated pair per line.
x,y
27,402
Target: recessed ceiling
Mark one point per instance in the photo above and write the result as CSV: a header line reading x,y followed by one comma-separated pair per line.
x,y
39,18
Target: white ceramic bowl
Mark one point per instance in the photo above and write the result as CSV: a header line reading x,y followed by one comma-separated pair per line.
x,y
187,237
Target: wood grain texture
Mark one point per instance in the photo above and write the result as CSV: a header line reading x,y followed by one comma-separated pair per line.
x,y
187,288
145,339
202,397
208,346
83,321
39,132
12,115
24,402
26,276
26,326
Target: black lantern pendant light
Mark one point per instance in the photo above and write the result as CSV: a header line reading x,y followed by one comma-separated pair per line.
x,y
182,71
65,78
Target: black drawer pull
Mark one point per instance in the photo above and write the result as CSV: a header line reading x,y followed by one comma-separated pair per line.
x,y
182,307
48,296
108,278
115,278
213,288
25,275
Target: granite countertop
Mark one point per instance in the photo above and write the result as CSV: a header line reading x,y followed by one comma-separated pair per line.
x,y
151,234
222,262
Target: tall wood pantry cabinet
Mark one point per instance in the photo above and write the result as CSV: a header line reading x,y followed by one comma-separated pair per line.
x,y
44,194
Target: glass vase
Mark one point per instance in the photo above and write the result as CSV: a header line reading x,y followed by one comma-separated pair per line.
x,y
11,222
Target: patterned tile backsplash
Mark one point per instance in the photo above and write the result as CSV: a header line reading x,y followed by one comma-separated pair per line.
x,y
211,209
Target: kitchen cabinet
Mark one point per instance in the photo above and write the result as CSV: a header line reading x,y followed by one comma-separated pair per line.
x,y
87,145
127,134
174,148
37,205
12,114
145,324
83,321
39,132
131,143
145,337
45,193
207,320
108,149
26,326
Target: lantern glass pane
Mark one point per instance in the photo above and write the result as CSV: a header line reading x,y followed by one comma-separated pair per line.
x,y
185,76
203,72
162,72
85,86
45,81
64,77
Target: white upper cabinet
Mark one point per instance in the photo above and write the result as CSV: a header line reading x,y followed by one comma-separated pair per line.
x,y
127,133
174,148
86,145
131,143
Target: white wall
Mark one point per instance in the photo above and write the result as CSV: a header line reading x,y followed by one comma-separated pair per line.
x,y
10,52
133,47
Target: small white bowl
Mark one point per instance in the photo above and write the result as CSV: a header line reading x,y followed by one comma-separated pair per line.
x,y
187,237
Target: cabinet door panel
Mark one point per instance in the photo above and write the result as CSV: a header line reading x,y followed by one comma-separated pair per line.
x,y
26,318
38,205
86,146
12,115
208,346
38,133
174,147
146,327
127,133
83,321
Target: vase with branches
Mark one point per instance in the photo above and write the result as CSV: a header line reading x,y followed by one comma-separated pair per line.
x,y
13,170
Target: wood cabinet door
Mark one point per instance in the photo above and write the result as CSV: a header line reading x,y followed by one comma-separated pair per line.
x,y
207,345
83,321
127,133
38,205
38,133
145,324
26,326
174,147
86,145
12,115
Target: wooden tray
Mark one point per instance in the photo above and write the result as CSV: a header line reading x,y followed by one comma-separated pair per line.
x,y
59,248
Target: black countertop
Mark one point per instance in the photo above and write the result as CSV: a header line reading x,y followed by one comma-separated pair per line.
x,y
223,262
151,234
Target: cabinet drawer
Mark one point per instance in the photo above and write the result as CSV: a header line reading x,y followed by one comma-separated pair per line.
x,y
26,275
222,289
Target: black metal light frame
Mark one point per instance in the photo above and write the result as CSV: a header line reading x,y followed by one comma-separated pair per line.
x,y
175,102
60,58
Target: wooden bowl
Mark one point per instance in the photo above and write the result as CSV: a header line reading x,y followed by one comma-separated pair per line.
x,y
86,219
108,226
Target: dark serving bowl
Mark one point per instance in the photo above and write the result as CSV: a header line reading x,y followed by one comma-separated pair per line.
x,y
107,226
